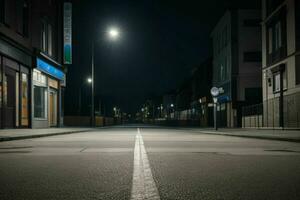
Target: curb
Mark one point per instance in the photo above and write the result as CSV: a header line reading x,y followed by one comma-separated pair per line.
x,y
252,136
5,139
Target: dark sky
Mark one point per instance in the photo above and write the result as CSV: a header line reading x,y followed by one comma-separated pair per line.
x,y
161,41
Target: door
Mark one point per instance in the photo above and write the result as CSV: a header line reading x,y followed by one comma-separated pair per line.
x,y
53,108
9,98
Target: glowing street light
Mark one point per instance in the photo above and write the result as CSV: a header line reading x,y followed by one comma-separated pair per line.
x,y
89,80
113,33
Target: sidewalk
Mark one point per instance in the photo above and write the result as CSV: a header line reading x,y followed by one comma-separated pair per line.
x,y
281,135
19,134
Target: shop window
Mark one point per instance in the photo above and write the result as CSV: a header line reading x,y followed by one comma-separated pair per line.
x,y
25,113
39,78
17,99
40,102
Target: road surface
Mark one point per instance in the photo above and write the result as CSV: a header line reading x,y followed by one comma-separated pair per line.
x,y
149,163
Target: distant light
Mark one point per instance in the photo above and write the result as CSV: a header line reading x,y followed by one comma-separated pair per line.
x,y
172,105
89,80
142,109
113,33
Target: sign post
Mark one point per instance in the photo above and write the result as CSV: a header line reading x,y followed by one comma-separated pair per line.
x,y
215,93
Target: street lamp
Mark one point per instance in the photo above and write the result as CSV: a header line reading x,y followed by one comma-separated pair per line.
x,y
113,34
89,80
215,93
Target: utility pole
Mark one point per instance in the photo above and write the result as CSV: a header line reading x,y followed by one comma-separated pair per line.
x,y
93,86
215,93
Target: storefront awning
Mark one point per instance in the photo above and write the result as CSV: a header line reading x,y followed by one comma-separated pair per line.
x,y
50,69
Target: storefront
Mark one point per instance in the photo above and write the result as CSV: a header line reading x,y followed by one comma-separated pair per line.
x,y
14,87
48,81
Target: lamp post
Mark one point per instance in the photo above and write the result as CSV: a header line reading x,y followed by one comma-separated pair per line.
x,y
215,93
113,34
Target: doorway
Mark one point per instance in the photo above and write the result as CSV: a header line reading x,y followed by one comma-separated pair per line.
x,y
53,108
9,98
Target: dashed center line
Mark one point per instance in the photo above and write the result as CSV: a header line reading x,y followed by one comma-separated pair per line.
x,y
143,185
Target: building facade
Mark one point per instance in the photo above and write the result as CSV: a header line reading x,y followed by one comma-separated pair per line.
x,y
32,76
236,41
281,63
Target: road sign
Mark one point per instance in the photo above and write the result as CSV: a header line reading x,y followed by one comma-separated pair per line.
x,y
215,100
214,91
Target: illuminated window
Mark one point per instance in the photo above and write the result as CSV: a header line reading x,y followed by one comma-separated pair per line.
x,y
24,97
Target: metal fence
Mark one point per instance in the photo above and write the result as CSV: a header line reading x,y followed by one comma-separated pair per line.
x,y
268,113
252,116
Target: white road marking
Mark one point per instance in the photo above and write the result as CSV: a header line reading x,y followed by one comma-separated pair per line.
x,y
143,185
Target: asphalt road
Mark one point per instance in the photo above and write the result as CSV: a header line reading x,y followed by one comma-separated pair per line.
x,y
149,163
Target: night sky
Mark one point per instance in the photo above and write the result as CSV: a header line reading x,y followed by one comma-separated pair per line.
x,y
160,42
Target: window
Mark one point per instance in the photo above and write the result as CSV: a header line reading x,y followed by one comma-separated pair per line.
x,y
43,37
297,69
39,78
222,72
2,11
25,18
252,56
277,38
270,40
272,5
47,38
50,35
224,36
22,17
277,34
276,82
252,22
24,97
40,98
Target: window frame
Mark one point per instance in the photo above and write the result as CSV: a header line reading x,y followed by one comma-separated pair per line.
x,y
276,80
44,102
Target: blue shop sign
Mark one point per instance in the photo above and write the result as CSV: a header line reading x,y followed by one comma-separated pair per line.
x,y
50,69
223,99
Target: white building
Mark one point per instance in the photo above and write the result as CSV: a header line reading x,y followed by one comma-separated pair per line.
x,y
281,63
237,63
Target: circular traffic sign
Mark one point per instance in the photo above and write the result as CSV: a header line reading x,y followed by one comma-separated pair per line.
x,y
214,91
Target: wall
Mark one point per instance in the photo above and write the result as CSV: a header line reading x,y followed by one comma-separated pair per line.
x,y
249,40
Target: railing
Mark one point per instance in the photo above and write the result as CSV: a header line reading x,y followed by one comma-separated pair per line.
x,y
268,113
252,116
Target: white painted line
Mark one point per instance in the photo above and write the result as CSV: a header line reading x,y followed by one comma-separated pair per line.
x,y
143,185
